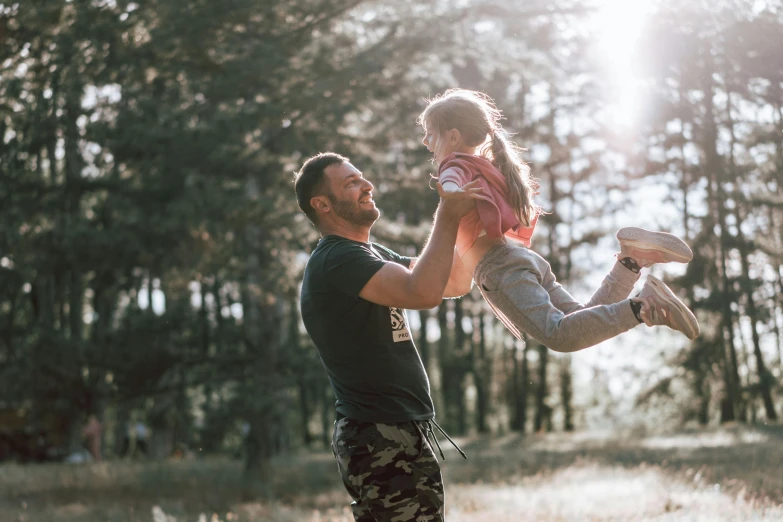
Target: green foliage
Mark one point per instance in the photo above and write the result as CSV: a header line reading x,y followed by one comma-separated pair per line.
x,y
151,248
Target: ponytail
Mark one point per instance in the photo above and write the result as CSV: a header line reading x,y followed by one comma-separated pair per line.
x,y
520,184
475,115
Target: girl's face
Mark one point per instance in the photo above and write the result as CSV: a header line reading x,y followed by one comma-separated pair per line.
x,y
437,144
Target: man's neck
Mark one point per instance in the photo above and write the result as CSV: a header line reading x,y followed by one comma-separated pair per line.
x,y
360,234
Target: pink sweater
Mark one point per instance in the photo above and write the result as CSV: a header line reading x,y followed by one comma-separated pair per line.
x,y
493,212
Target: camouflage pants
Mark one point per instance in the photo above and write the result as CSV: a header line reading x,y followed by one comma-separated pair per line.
x,y
389,470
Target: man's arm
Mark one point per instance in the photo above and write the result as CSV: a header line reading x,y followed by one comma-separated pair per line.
x,y
460,279
422,286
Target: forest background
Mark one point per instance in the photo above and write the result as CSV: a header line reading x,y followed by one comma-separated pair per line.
x,y
151,249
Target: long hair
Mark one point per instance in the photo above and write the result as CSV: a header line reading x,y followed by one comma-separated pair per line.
x,y
477,118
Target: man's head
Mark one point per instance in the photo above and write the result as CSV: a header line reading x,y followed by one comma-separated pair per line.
x,y
331,190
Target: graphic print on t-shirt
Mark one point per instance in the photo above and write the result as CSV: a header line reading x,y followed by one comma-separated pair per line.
x,y
399,328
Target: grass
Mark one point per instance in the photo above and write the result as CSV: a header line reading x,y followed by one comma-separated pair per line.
x,y
729,474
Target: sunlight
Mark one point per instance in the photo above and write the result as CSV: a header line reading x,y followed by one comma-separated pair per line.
x,y
590,491
618,24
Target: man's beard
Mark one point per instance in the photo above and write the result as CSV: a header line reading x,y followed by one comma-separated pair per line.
x,y
352,213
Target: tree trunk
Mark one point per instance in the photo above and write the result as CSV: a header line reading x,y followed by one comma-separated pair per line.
x,y
304,377
256,474
518,388
764,376
777,295
73,173
717,199
542,408
462,362
525,385
161,420
703,393
480,375
566,393
262,414
775,223
432,362
519,385
327,415
450,375
304,412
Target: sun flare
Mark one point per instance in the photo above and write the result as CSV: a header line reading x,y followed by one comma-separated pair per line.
x,y
618,25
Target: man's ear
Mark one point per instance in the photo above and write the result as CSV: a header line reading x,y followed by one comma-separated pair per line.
x,y
320,203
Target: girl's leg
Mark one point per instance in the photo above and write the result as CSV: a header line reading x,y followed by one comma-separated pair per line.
x,y
616,286
519,286
638,248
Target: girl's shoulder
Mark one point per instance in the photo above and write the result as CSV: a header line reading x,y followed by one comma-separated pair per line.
x,y
456,173
465,161
463,168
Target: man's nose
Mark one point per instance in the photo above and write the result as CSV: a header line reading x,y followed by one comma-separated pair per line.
x,y
368,186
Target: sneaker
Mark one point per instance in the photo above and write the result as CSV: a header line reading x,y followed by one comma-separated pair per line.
x,y
647,247
663,308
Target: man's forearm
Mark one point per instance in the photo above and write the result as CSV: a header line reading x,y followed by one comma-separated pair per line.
x,y
431,272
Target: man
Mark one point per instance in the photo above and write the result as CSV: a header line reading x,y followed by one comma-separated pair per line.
x,y
353,299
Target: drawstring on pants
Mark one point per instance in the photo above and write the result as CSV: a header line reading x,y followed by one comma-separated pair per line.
x,y
429,432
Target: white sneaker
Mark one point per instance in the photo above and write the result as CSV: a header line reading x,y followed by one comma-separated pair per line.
x,y
662,308
647,247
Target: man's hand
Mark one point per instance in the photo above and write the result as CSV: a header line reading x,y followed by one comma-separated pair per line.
x,y
458,201
423,286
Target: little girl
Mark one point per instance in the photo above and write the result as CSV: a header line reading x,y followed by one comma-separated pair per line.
x,y
462,131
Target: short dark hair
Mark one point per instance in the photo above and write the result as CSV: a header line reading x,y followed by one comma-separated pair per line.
x,y
309,181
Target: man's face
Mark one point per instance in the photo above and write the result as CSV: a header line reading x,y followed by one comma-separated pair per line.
x,y
351,195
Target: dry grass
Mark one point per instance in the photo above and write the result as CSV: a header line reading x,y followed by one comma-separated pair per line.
x,y
722,475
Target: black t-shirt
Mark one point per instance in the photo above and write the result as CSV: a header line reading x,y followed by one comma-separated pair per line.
x,y
367,350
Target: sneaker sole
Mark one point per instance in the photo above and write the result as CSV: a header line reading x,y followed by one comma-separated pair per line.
x,y
673,248
672,300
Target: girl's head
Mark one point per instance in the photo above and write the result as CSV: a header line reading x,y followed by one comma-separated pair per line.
x,y
458,121
466,121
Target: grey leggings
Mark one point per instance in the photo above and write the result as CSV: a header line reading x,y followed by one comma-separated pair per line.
x,y
520,288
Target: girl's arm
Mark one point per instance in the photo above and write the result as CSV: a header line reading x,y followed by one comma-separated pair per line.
x,y
452,179
450,186
460,279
